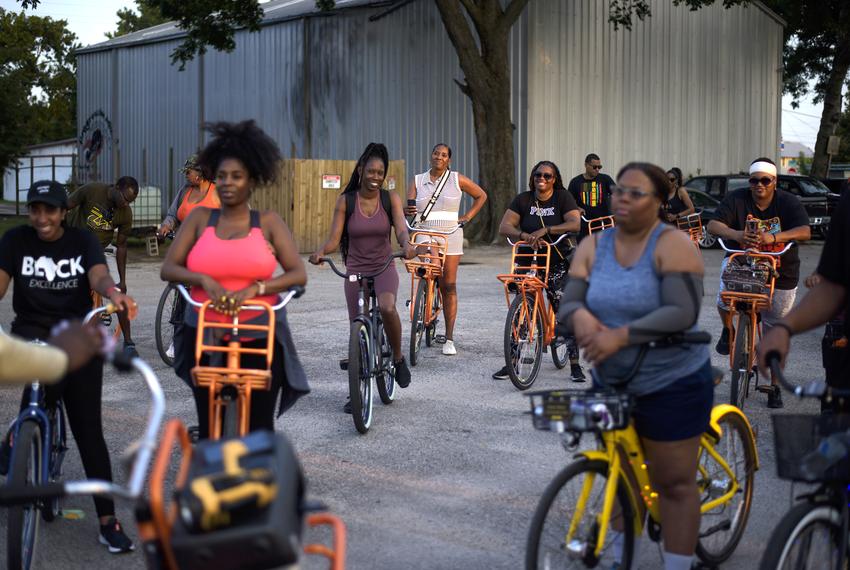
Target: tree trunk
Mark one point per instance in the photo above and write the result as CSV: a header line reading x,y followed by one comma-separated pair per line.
x,y
485,64
831,108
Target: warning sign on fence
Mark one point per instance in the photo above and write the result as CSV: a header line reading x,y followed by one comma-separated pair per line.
x,y
331,181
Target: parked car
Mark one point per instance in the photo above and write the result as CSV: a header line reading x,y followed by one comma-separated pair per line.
x,y
816,198
835,185
706,205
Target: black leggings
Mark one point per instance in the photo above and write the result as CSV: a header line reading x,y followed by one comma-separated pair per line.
x,y
558,270
81,393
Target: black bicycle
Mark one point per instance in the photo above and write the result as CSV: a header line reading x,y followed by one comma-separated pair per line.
x,y
169,315
370,357
812,449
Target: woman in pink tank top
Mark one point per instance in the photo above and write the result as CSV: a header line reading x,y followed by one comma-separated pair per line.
x,y
366,232
230,255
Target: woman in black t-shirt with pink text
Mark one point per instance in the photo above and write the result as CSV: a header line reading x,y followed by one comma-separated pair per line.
x,y
543,213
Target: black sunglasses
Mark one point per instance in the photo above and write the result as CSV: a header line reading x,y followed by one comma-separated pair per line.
x,y
634,193
673,180
764,180
544,175
596,167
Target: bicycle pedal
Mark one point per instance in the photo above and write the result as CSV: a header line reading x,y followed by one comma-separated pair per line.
x,y
765,388
343,364
527,360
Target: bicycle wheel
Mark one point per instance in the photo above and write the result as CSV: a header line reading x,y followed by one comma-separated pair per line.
x,y
360,376
522,348
23,520
56,416
230,420
740,360
721,528
436,307
386,376
549,545
417,325
809,536
164,323
560,352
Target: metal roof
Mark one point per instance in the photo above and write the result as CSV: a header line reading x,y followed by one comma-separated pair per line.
x,y
793,149
274,11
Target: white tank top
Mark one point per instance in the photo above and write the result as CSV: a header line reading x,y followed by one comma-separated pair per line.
x,y
447,203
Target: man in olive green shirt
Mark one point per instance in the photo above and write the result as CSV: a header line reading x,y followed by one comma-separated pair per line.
x,y
104,209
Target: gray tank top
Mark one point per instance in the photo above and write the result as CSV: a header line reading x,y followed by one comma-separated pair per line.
x,y
618,295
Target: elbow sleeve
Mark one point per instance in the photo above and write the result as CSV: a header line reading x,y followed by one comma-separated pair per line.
x,y
681,297
572,299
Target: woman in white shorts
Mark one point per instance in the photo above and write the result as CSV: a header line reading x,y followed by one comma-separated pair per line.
x,y
445,215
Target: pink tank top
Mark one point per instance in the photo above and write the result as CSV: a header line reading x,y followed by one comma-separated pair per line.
x,y
234,263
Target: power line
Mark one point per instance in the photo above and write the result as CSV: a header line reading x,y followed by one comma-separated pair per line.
x,y
801,113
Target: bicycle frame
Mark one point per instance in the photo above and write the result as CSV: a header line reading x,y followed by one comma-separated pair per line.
x,y
371,319
691,225
36,411
428,267
599,224
97,301
622,452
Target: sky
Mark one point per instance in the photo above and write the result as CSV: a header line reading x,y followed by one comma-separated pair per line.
x,y
91,19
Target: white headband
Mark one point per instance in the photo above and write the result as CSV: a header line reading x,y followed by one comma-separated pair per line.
x,y
763,167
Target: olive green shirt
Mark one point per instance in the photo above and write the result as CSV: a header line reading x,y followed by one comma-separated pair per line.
x,y
96,213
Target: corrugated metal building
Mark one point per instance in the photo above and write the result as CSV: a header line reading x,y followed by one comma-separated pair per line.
x,y
699,90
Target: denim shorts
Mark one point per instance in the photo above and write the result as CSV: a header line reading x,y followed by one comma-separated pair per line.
x,y
679,411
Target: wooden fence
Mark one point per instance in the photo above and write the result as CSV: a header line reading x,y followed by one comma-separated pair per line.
x,y
306,193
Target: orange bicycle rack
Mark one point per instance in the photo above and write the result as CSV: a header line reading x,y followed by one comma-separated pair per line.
x,y
245,380
530,279
599,224
431,254
157,529
691,225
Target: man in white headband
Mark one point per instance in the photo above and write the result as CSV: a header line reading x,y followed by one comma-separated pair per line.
x,y
763,218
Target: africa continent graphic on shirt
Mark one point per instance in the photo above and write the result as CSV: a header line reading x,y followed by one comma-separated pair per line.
x,y
42,272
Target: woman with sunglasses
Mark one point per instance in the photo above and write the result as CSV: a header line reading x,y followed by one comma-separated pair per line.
x,y
196,192
543,213
445,214
629,285
679,203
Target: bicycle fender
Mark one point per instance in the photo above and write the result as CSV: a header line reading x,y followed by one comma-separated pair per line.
x,y
723,409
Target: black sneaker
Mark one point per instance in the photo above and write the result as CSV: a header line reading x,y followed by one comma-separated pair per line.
x,y
112,536
402,373
576,373
346,408
130,349
501,374
722,346
774,398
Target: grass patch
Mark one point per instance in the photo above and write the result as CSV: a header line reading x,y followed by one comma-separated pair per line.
x,y
7,223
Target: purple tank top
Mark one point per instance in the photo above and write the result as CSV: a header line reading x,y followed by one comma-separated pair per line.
x,y
368,240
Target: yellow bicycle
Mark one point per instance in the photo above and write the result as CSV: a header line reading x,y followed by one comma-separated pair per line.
x,y
590,514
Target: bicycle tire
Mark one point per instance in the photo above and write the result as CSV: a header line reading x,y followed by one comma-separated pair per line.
x,y
230,420
436,307
360,376
515,354
539,557
560,353
23,520
736,442
164,331
740,373
417,325
56,416
792,529
386,376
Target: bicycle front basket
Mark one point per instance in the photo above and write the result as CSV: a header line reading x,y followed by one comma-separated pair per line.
x,y
796,440
579,410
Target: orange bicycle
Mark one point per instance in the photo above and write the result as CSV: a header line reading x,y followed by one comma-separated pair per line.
x,y
745,304
599,224
530,323
230,385
426,300
235,504
692,225
108,319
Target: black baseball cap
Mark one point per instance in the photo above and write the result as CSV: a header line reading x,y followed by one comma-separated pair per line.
x,y
49,192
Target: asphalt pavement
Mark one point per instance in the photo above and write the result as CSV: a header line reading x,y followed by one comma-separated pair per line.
x,y
449,475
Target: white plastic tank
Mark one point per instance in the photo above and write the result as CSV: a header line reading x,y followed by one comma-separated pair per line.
x,y
147,207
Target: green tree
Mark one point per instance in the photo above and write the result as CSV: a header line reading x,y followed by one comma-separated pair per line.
x,y
37,82
843,131
146,15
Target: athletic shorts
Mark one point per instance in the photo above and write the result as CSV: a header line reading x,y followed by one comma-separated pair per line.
x,y
679,411
781,305
386,282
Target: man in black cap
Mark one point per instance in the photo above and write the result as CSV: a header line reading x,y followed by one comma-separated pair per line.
x,y
105,210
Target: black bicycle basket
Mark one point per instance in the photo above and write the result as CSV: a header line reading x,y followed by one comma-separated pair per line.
x,y
797,439
579,410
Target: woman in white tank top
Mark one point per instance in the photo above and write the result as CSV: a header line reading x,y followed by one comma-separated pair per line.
x,y
445,214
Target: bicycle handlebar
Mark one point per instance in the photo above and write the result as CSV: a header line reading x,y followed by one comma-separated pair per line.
x,y
556,242
770,253
814,389
292,293
359,276
693,337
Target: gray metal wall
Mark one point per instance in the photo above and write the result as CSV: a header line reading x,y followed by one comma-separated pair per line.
x,y
322,87
700,90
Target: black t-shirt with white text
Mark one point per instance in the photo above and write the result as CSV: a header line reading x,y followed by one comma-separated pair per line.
x,y
593,196
50,277
783,213
552,211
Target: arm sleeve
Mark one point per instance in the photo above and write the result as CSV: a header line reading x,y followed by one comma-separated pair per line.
x,y
171,216
681,296
573,189
515,205
93,250
21,361
566,203
575,293
127,223
833,260
725,212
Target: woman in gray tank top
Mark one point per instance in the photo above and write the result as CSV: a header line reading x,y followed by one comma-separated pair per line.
x,y
629,285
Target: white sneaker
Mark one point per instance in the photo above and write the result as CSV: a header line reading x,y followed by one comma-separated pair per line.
x,y
449,348
169,352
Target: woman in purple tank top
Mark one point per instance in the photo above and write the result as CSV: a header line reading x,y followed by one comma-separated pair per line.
x,y
362,226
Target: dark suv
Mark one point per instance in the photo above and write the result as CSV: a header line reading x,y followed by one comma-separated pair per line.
x,y
816,198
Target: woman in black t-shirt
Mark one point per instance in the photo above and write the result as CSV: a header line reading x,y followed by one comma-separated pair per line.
x,y
543,213
54,269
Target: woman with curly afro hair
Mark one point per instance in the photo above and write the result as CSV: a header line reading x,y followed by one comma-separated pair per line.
x,y
230,255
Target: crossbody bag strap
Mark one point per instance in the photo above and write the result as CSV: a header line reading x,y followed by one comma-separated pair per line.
x,y
441,183
543,225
